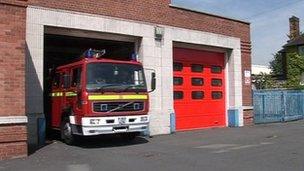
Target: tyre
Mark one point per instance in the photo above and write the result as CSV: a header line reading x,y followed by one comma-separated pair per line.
x,y
66,132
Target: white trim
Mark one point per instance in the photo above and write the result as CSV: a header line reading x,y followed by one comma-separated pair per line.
x,y
247,107
13,120
227,94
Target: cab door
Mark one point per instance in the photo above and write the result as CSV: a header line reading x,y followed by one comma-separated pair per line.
x,y
56,99
74,94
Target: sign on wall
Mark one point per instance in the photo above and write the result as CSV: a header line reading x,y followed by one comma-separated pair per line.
x,y
247,77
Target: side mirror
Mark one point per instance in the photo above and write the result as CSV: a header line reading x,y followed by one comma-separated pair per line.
x,y
66,81
153,81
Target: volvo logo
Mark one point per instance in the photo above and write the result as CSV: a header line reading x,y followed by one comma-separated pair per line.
x,y
122,120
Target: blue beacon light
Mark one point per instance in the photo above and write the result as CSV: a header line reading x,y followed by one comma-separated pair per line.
x,y
134,57
89,53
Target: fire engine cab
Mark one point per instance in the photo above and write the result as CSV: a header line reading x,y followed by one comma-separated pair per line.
x,y
95,96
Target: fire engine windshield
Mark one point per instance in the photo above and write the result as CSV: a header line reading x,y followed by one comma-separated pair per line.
x,y
115,77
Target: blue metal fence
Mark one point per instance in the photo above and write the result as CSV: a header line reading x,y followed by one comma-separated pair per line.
x,y
278,105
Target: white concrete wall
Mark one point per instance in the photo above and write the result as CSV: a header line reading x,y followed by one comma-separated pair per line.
x,y
155,55
258,69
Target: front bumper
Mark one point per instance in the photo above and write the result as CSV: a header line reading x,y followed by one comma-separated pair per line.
x,y
111,125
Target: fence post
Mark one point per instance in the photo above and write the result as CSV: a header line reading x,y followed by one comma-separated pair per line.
x,y
284,106
302,102
263,106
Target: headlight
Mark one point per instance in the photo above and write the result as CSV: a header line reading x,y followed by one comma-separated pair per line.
x,y
144,118
94,121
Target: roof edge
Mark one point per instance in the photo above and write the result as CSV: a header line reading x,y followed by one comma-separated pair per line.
x,y
210,14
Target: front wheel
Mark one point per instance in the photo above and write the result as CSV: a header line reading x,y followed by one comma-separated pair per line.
x,y
66,132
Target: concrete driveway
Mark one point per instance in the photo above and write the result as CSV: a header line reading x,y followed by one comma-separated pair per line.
x,y
262,147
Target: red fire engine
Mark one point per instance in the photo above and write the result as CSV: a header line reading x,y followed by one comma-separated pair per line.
x,y
95,96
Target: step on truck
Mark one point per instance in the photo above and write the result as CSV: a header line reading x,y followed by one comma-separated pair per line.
x,y
95,96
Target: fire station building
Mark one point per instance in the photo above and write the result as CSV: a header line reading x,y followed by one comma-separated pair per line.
x,y
202,61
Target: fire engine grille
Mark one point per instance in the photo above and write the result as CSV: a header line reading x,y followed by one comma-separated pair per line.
x,y
105,107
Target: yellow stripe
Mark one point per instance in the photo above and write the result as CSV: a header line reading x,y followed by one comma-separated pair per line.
x,y
118,97
57,94
134,97
104,97
70,94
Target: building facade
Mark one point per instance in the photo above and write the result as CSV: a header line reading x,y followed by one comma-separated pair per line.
x,y
295,44
201,60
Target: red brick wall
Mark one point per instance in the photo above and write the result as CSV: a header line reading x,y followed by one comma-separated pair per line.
x,y
247,89
13,150
154,11
159,12
248,117
12,69
13,141
12,78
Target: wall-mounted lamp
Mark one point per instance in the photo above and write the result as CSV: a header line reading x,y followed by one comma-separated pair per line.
x,y
159,33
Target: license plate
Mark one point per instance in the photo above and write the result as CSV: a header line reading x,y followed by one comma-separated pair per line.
x,y
122,120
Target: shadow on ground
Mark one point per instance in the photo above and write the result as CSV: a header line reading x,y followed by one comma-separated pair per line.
x,y
103,141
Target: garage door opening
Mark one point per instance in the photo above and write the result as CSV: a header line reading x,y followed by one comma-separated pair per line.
x,y
60,49
199,88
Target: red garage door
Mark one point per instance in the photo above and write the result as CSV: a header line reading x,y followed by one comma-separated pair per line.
x,y
199,89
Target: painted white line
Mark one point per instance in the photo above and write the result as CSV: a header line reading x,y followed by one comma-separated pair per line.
x,y
78,167
217,146
242,147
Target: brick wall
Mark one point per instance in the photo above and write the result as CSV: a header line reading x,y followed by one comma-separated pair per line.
x,y
154,11
12,77
247,89
13,141
12,69
159,12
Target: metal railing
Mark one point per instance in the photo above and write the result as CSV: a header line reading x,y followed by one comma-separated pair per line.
x,y
278,105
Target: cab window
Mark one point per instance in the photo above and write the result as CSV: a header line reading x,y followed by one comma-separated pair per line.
x,y
56,80
76,77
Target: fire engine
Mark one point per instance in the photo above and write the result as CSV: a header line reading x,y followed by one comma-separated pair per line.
x,y
94,96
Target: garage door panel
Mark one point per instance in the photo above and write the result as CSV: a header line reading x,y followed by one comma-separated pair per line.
x,y
188,110
199,77
193,122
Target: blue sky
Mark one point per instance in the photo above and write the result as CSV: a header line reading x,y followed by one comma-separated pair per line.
x,y
269,20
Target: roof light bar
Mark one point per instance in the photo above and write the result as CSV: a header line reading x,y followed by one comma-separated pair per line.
x,y
93,53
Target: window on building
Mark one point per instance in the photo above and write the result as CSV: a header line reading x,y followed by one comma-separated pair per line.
x,y
216,69
178,81
301,50
178,95
177,66
216,82
197,68
196,95
217,95
197,81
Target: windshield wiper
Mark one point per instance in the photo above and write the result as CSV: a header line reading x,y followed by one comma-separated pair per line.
x,y
130,86
101,88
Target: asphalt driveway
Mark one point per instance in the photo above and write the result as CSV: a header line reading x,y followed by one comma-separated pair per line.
x,y
262,147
